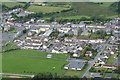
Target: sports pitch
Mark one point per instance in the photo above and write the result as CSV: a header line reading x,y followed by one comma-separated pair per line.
x,y
32,63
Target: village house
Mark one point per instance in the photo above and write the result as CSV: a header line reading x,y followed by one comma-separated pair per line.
x,y
77,53
88,53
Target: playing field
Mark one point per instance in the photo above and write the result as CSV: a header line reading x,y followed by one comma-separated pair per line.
x,y
32,62
45,9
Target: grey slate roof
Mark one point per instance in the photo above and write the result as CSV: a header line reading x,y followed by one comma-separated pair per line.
x,y
75,64
110,75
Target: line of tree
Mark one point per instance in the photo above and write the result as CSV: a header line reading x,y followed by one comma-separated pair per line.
x,y
115,7
50,76
96,19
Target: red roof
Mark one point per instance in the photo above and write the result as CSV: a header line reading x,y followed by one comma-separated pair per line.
x,y
88,52
11,21
110,65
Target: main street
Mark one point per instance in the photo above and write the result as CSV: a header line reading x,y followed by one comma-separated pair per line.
x,y
97,56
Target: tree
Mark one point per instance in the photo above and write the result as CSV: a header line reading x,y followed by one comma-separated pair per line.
x,y
92,69
115,7
26,5
52,19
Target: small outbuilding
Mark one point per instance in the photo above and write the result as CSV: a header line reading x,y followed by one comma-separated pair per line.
x,y
49,56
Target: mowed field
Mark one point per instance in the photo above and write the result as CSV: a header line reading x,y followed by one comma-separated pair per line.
x,y
45,9
32,62
12,4
15,0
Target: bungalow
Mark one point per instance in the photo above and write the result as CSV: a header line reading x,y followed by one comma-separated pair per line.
x,y
110,66
77,53
77,66
101,61
55,51
88,53
10,22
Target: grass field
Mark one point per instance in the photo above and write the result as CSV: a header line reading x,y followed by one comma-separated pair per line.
x,y
33,62
74,17
104,4
14,63
15,0
12,4
112,59
35,53
87,9
45,9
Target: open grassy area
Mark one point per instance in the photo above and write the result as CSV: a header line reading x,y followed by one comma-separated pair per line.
x,y
45,9
74,17
33,62
15,0
13,30
14,63
111,59
112,16
35,53
12,4
83,36
104,4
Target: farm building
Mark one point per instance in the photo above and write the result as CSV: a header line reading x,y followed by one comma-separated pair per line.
x,y
74,66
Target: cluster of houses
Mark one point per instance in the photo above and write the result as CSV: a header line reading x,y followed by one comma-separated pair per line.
x,y
85,40
108,52
50,45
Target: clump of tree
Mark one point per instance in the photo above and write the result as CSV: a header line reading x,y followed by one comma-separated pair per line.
x,y
55,76
67,35
5,8
92,69
26,5
54,33
84,51
101,34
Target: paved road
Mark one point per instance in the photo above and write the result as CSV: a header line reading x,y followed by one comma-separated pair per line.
x,y
22,75
97,56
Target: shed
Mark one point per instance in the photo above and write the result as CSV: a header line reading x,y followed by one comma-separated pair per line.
x,y
49,56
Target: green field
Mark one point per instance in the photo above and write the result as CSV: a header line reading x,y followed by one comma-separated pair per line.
x,y
12,4
35,53
111,59
15,0
17,62
33,62
45,9
87,9
74,17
